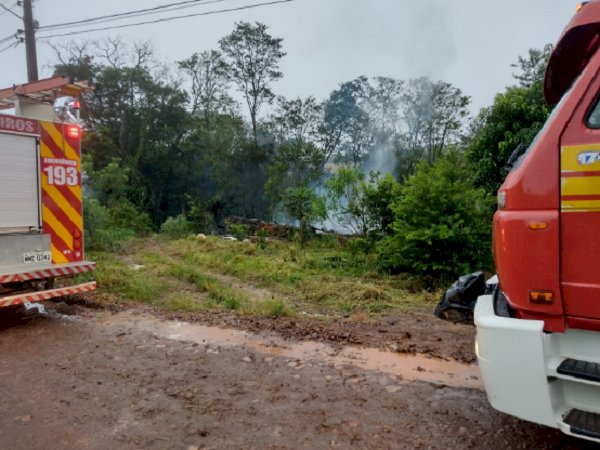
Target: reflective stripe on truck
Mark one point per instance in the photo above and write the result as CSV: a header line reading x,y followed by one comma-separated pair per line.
x,y
40,296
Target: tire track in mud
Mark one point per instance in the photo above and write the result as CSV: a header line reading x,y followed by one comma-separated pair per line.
x,y
406,367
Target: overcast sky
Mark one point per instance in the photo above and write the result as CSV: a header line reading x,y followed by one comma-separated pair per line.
x,y
470,43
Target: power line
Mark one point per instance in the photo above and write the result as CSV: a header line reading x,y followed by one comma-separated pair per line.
x,y
167,19
8,38
10,11
134,13
8,47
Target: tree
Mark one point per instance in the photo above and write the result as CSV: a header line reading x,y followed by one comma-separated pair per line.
x,y
303,205
298,154
138,116
434,114
210,79
532,69
515,118
253,56
347,124
442,225
359,203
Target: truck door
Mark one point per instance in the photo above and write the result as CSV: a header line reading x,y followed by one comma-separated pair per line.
x,y
580,212
19,184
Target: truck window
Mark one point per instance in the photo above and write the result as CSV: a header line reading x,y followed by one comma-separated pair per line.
x,y
593,118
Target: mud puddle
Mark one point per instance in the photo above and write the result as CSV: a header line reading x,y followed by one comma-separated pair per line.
x,y
404,366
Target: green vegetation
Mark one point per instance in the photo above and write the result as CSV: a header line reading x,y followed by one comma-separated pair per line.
x,y
397,163
442,225
212,274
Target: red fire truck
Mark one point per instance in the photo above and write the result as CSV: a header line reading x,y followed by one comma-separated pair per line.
x,y
41,216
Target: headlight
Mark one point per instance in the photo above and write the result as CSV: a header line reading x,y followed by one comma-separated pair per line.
x,y
501,199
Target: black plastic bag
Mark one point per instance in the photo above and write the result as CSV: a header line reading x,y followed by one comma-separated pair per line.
x,y
458,303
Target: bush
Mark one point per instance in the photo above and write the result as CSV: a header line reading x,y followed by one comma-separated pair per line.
x,y
95,217
442,225
261,238
239,231
105,229
198,215
177,227
123,214
303,205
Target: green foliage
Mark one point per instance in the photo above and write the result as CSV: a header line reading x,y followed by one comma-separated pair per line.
x,y
442,225
532,69
238,230
102,232
434,113
109,183
299,153
516,117
274,308
252,56
303,205
362,205
379,194
177,227
198,215
123,214
261,238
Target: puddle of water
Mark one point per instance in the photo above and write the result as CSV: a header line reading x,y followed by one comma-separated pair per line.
x,y
408,367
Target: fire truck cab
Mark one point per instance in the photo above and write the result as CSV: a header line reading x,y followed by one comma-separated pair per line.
x,y
41,213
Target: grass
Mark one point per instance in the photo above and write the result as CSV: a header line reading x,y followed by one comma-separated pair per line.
x,y
272,280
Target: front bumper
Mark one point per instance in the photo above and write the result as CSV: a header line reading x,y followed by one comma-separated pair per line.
x,y
519,362
510,353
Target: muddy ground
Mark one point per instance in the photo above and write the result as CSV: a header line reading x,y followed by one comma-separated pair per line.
x,y
105,380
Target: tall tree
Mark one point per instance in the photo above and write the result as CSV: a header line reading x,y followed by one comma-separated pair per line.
x,y
515,118
299,155
532,68
209,78
434,114
347,124
253,56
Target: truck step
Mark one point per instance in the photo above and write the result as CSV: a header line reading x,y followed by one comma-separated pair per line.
x,y
583,423
580,369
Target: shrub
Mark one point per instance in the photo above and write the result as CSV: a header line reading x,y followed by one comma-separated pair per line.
x,y
303,205
105,228
239,231
261,238
123,214
361,204
442,225
177,227
95,217
199,217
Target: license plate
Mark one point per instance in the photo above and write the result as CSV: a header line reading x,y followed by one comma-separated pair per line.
x,y
37,257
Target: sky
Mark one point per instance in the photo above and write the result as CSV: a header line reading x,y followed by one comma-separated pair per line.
x,y
469,43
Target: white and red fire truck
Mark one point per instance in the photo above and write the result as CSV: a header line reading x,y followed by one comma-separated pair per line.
x,y
41,211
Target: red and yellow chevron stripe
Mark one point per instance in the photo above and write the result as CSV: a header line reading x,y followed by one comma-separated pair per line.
x,y
63,270
62,210
40,296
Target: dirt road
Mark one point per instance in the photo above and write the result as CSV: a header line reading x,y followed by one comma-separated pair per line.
x,y
98,380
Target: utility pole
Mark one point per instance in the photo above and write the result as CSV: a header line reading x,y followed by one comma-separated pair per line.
x,y
30,47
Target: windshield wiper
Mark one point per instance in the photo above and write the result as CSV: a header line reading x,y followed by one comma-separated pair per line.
x,y
514,157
